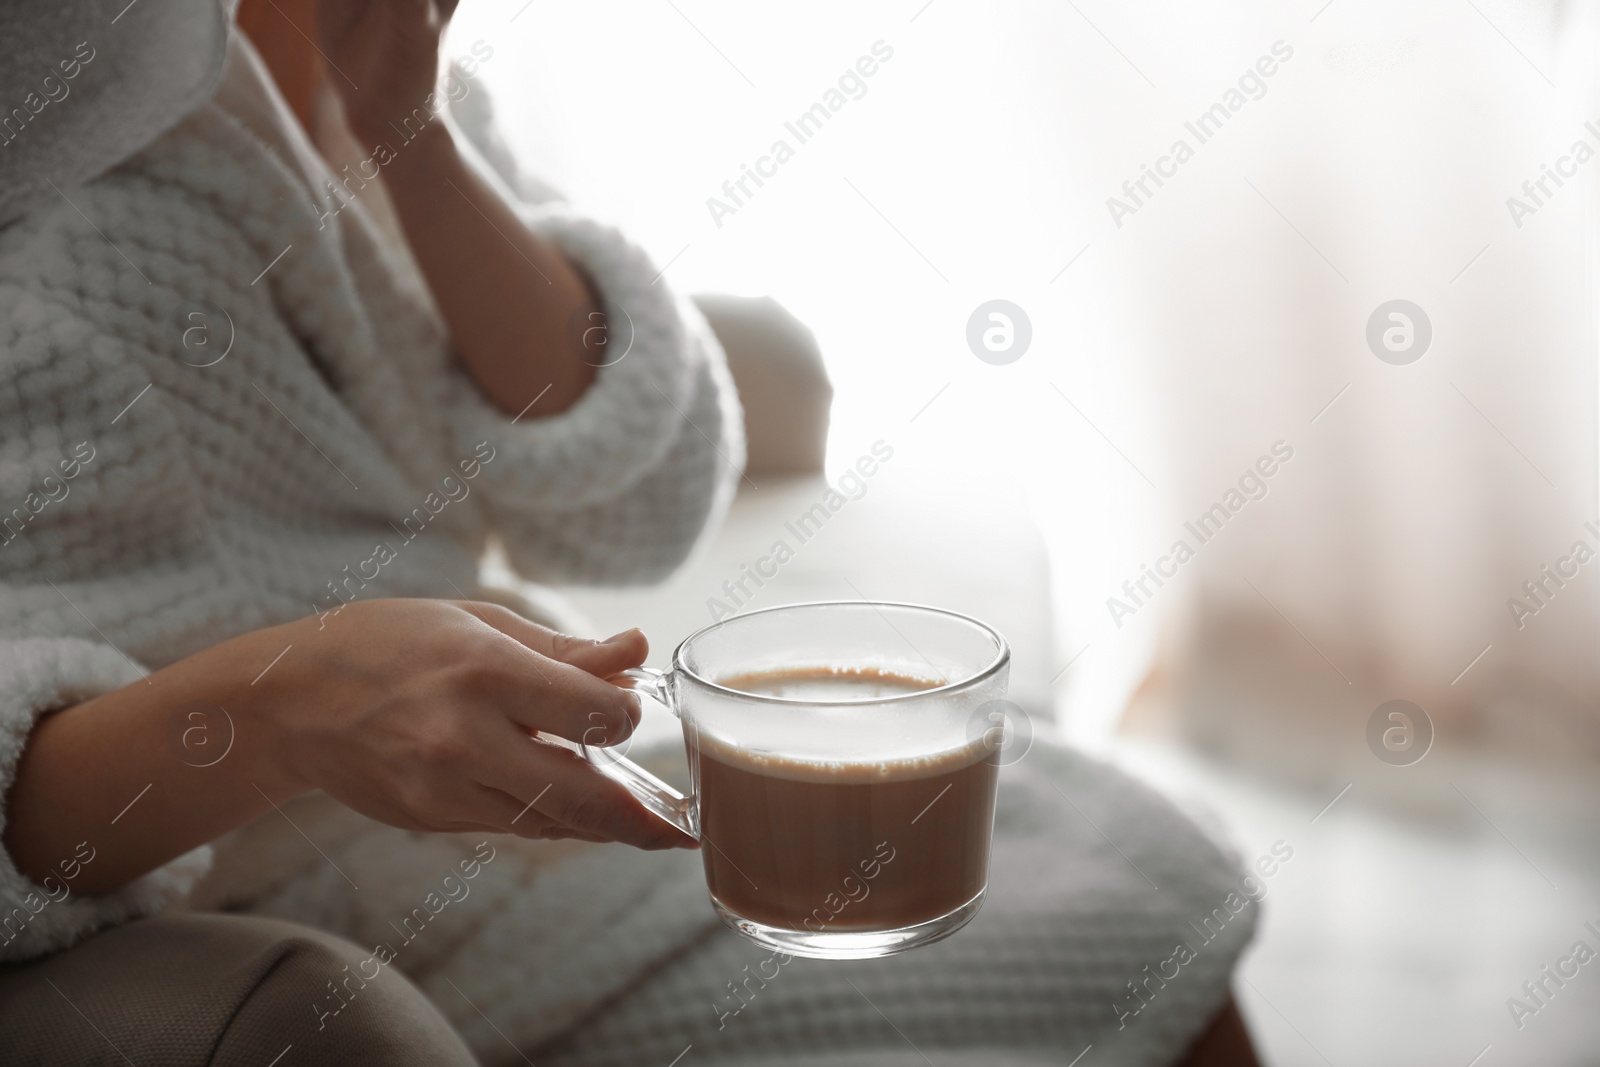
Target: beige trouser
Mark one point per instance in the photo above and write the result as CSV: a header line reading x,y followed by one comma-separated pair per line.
x,y
190,990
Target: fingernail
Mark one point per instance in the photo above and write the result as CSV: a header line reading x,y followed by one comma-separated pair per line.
x,y
617,638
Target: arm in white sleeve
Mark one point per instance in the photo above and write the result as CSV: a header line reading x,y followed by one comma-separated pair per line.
x,y
620,487
39,675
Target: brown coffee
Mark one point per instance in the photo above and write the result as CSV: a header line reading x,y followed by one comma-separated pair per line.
x,y
843,846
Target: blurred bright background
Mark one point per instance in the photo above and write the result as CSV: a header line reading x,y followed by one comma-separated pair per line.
x,y
1227,313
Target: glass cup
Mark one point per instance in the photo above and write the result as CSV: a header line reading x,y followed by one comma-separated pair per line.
x,y
844,800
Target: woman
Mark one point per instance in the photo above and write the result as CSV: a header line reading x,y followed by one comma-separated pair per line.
x,y
259,444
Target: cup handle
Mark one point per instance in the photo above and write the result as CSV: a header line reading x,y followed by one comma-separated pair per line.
x,y
656,795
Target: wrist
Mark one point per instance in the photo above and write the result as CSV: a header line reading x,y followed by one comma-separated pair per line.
x,y
264,729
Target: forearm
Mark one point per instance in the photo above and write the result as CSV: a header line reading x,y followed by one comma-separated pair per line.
x,y
140,773
509,298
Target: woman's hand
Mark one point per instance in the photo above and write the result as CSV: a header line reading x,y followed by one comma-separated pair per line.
x,y
421,713
385,55
508,296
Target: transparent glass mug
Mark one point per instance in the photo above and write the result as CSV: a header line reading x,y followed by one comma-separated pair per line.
x,y
831,826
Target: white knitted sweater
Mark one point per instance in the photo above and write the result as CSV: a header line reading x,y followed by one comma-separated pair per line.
x,y
167,504
222,404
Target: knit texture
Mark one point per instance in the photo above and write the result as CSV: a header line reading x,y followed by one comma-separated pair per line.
x,y
1094,879
86,83
576,955
225,404
171,499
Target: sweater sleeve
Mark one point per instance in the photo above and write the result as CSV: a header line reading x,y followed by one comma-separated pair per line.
x,y
39,675
620,487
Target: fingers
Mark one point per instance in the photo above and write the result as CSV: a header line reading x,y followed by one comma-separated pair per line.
x,y
480,808
464,806
555,683
543,696
602,658
566,789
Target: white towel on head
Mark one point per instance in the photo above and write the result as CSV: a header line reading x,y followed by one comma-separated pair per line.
x,y
84,84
